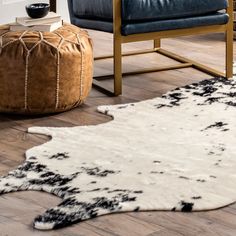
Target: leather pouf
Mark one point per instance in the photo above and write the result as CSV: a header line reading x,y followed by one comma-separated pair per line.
x,y
44,72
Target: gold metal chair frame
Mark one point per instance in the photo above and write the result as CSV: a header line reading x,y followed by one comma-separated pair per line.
x,y
157,36
119,39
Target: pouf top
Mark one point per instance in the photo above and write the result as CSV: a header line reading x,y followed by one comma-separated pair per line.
x,y
67,33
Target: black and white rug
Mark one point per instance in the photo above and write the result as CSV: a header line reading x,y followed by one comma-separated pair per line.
x,y
175,153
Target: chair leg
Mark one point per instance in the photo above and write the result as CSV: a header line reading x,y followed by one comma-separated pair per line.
x,y
117,66
157,43
229,53
229,43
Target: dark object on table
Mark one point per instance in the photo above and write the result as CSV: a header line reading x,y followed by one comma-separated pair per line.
x,y
37,10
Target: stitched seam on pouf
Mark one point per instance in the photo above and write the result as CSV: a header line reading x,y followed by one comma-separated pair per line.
x,y
58,70
10,42
27,64
82,68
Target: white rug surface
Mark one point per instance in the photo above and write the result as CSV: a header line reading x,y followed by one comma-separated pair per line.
x,y
174,153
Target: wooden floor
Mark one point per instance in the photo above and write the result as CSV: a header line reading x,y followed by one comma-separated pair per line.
x,y
17,210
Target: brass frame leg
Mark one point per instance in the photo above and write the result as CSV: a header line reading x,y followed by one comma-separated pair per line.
x,y
117,47
229,55
229,43
157,43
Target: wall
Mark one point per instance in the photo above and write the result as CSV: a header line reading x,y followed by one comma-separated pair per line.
x,y
9,9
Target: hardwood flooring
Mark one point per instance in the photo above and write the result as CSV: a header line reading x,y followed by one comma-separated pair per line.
x,y
17,210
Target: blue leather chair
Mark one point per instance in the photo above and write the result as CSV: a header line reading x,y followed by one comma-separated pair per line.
x,y
139,20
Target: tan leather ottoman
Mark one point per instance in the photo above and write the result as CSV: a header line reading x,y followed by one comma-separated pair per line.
x,y
44,72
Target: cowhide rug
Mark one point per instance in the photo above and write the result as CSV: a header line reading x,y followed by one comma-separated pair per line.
x,y
174,153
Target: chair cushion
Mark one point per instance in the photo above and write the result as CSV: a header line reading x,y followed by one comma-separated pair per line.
x,y
183,23
154,26
146,10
